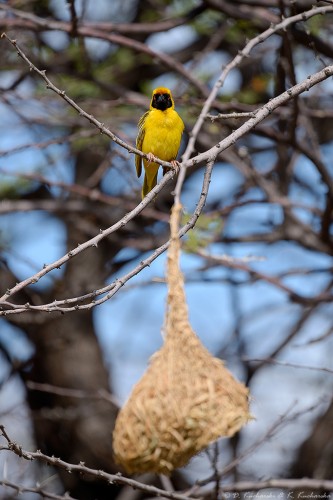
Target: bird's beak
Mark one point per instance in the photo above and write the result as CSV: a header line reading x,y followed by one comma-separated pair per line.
x,y
162,101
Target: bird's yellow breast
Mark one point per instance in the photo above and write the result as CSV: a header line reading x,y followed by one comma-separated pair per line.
x,y
162,134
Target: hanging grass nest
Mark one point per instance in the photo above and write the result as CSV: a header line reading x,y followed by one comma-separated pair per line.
x,y
186,399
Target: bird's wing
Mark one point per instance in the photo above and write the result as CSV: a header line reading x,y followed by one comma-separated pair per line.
x,y
139,141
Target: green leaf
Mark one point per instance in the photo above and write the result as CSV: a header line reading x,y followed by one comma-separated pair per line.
x,y
207,228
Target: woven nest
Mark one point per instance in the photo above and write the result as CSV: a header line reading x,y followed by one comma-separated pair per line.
x,y
185,400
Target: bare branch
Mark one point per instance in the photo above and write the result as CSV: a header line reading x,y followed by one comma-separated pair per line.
x,y
93,242
273,361
261,114
109,290
209,155
78,189
237,264
73,393
87,471
73,104
280,423
39,490
118,39
237,60
225,116
286,484
32,22
290,484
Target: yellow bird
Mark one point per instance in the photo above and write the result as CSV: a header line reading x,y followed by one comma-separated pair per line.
x,y
160,133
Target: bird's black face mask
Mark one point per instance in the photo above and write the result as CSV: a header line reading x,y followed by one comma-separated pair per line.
x,y
161,101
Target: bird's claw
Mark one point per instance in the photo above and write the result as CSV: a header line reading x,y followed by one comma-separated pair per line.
x,y
175,165
151,158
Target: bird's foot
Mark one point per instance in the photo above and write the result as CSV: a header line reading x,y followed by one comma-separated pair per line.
x,y
151,158
175,165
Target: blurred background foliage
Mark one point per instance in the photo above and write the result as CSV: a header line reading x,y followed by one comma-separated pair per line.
x,y
258,265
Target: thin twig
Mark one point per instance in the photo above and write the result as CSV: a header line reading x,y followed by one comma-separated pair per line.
x,y
92,194
57,140
102,128
226,116
73,393
262,114
273,361
110,290
303,16
233,263
107,27
209,156
20,488
122,40
93,242
290,484
286,484
82,469
287,417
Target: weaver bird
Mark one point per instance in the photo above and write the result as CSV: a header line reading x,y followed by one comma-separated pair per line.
x,y
160,133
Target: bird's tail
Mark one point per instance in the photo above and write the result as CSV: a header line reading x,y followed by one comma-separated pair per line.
x,y
150,181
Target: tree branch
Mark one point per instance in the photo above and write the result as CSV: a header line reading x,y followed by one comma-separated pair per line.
x,y
39,490
118,39
108,27
209,156
239,486
110,290
87,471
